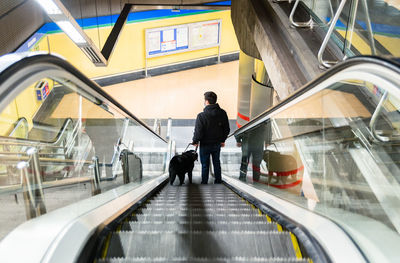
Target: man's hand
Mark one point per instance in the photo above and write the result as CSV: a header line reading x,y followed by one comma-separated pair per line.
x,y
222,144
195,144
239,144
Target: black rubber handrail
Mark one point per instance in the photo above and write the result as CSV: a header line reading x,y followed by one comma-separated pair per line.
x,y
59,62
391,64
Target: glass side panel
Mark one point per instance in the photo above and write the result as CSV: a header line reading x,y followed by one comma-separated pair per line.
x,y
370,27
59,145
323,154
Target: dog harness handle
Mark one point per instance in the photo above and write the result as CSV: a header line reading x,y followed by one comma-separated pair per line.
x,y
188,147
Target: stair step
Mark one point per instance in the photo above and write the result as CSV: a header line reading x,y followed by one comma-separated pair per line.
x,y
199,205
198,217
200,199
199,226
173,205
198,244
203,260
200,211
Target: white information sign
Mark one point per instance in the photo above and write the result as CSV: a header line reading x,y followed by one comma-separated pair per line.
x,y
154,41
168,35
181,38
205,34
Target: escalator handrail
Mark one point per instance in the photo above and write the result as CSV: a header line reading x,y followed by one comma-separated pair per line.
x,y
15,159
18,123
18,188
390,64
31,142
20,61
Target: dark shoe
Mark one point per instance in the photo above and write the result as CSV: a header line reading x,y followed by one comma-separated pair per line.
x,y
203,183
217,182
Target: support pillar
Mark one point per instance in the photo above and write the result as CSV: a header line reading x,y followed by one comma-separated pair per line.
x,y
246,69
261,91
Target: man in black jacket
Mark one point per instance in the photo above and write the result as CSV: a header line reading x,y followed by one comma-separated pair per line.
x,y
211,130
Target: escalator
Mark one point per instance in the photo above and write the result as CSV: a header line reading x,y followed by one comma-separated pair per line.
x,y
198,223
323,186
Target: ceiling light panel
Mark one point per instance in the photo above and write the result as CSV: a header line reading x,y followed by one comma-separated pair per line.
x,y
50,7
71,31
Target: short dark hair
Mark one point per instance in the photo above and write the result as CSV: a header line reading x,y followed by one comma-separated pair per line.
x,y
211,97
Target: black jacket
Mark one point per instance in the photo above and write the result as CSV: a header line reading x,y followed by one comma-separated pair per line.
x,y
212,125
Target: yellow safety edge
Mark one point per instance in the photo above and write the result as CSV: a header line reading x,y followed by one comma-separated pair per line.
x,y
296,246
106,245
280,229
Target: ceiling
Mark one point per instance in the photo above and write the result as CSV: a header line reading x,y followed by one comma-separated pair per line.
x,y
19,19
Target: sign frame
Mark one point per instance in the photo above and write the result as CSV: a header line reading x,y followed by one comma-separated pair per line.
x,y
152,53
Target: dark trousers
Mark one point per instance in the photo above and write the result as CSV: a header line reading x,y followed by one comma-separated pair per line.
x,y
205,152
254,150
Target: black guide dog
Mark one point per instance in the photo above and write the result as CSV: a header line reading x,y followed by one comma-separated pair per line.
x,y
182,164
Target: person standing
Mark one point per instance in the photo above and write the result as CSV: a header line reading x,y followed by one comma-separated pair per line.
x,y
252,143
211,130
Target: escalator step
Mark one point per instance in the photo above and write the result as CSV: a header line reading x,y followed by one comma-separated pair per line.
x,y
198,217
203,260
282,245
198,244
194,205
221,199
227,198
200,211
199,226
196,195
195,202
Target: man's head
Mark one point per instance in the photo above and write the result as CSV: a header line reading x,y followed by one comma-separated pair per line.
x,y
210,97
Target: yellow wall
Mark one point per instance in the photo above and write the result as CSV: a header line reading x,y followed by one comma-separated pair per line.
x,y
358,43
7,118
390,43
24,105
129,52
128,55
